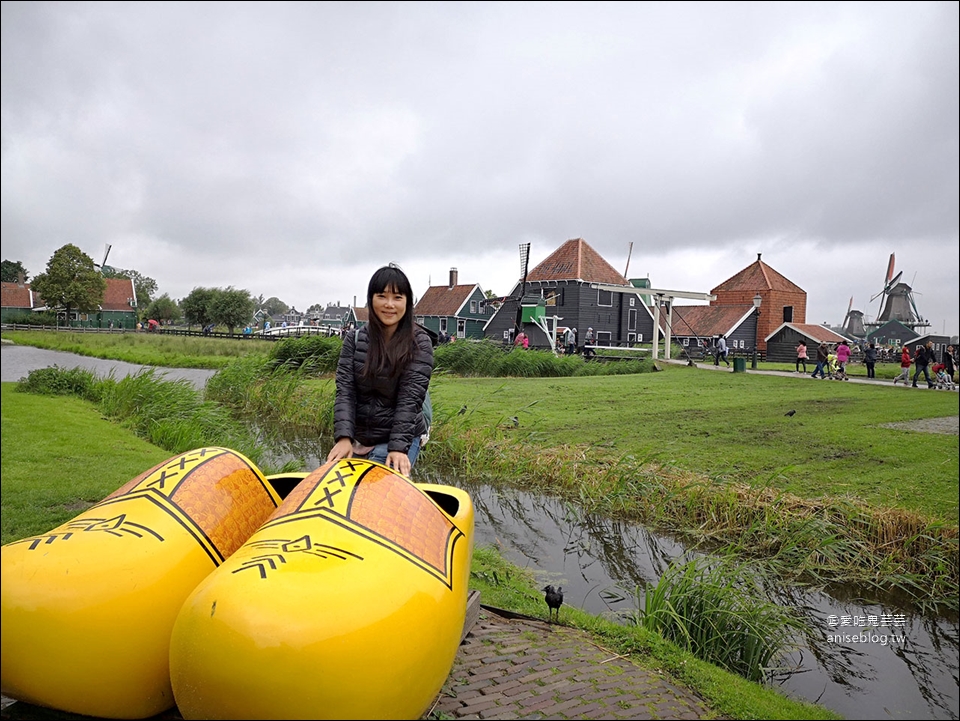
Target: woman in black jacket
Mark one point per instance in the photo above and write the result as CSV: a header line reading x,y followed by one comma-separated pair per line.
x,y
382,379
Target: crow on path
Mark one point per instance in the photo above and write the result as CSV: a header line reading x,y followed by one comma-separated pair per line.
x,y
554,598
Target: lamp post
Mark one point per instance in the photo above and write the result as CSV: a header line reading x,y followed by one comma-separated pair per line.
x,y
757,300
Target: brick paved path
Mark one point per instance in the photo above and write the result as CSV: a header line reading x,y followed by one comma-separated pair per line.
x,y
522,668
509,668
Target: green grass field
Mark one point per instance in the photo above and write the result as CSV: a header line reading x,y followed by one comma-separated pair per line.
x,y
733,426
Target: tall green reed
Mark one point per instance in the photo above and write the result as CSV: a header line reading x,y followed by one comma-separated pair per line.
x,y
715,609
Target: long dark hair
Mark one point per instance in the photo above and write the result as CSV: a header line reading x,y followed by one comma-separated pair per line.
x,y
389,359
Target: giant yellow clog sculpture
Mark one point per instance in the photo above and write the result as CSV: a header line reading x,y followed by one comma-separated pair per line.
x,y
88,608
348,603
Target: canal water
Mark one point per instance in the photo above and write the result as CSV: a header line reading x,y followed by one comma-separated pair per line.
x,y
906,667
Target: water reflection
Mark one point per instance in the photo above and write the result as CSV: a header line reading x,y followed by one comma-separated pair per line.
x,y
905,666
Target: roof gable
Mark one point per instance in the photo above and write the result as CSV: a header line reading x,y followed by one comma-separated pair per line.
x,y
755,276
576,260
817,333
444,300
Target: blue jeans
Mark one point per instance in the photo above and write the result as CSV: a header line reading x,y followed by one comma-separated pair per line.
x,y
819,369
380,451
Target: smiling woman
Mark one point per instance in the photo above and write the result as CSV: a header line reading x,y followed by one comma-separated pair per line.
x,y
382,379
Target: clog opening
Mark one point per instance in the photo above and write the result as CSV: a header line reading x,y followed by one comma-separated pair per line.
x,y
449,504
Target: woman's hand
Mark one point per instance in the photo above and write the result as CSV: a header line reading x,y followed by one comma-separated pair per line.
x,y
341,449
399,461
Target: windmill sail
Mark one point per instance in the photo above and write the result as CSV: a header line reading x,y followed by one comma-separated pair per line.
x,y
524,266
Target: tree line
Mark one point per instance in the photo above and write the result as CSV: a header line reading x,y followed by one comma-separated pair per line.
x,y
72,282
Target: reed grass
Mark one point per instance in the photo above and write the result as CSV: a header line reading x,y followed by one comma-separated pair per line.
x,y
715,609
170,414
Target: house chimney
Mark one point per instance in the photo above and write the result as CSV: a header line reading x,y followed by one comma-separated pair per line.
x,y
758,257
20,279
453,277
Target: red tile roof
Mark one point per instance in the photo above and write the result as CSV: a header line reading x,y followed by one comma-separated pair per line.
x,y
758,275
443,300
705,320
576,260
362,315
118,294
15,295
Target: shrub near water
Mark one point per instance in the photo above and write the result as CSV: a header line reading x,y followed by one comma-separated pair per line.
x,y
715,610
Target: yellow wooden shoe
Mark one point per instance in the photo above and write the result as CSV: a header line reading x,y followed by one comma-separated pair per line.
x,y
348,603
87,609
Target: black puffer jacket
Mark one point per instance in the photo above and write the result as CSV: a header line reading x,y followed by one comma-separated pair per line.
x,y
385,410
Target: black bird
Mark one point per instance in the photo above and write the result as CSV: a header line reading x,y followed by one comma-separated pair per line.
x,y
789,413
463,409
554,598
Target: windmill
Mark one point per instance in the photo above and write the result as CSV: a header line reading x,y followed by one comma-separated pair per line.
x,y
103,265
853,322
897,302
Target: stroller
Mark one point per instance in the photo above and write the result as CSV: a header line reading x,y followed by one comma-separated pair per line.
x,y
941,380
836,371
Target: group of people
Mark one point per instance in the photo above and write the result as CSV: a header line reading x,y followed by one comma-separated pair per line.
x,y
924,361
566,342
832,364
829,364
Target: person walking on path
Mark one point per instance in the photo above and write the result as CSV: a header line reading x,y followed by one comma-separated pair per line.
x,y
383,375
905,362
588,351
721,352
870,359
802,356
949,361
843,355
822,358
922,359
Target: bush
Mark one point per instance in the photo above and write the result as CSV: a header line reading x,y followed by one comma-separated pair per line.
x,y
30,318
491,360
56,381
314,353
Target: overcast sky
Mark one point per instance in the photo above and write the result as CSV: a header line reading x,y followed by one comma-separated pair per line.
x,y
291,149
